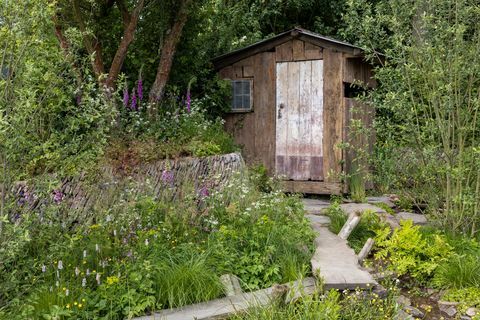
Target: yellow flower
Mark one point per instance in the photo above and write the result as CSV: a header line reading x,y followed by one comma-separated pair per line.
x,y
75,303
68,306
83,300
64,288
94,226
112,280
79,305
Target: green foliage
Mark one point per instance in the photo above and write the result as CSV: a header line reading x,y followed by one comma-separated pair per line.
x,y
410,252
145,254
251,240
467,297
259,177
332,306
427,102
337,216
315,307
385,207
459,272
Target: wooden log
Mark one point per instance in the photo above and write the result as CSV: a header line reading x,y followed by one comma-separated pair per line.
x,y
231,285
348,227
367,247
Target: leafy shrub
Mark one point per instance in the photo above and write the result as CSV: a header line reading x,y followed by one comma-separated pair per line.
x,y
144,254
177,132
408,251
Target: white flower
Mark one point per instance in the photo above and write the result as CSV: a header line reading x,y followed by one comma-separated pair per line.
x,y
114,233
87,272
67,292
97,247
84,254
44,268
146,242
77,271
60,265
57,283
84,282
98,278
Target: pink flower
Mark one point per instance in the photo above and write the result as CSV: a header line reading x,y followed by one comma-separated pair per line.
x,y
125,97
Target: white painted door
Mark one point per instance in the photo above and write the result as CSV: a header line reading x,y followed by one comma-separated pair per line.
x,y
299,125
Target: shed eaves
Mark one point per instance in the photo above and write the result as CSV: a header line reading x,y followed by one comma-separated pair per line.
x,y
268,44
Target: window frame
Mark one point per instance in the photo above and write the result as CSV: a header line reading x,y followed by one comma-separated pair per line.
x,y
243,110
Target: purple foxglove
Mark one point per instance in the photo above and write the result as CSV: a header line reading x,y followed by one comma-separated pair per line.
x,y
126,98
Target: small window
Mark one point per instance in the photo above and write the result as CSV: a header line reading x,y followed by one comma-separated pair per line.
x,y
241,95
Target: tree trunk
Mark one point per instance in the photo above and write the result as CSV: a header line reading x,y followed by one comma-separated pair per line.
x,y
92,45
122,50
166,58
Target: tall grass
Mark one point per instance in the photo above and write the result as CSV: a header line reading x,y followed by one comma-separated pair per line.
x,y
459,272
185,281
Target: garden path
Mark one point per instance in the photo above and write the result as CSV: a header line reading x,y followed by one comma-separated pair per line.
x,y
335,261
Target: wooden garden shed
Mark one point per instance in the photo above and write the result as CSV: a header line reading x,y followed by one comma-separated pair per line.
x,y
292,101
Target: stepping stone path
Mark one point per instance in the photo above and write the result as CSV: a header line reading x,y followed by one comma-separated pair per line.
x,y
335,261
418,219
224,307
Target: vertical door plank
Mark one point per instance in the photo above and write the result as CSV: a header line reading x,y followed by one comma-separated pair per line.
x,y
316,170
281,119
293,116
304,145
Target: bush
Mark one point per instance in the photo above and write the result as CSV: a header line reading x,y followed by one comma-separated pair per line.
x,y
408,251
144,254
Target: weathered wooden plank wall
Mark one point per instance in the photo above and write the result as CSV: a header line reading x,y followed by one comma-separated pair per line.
x,y
333,111
264,109
255,130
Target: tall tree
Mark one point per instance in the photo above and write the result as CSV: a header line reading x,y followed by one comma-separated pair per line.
x,y
108,28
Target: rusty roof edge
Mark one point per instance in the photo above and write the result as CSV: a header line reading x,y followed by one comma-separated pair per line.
x,y
290,34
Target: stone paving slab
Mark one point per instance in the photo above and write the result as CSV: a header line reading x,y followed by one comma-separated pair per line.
x,y
319,220
418,219
351,208
224,307
381,199
315,206
338,263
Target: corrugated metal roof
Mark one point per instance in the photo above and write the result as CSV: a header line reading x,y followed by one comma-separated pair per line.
x,y
267,44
